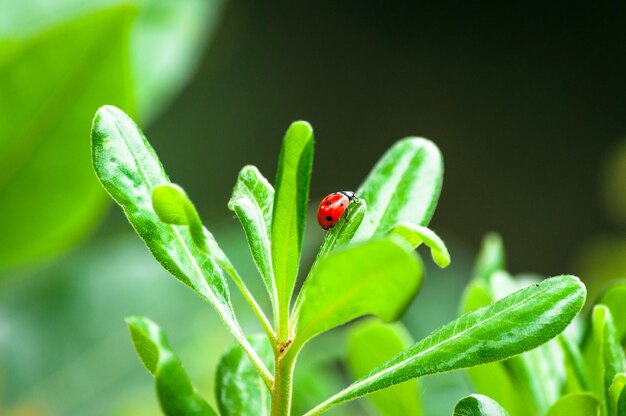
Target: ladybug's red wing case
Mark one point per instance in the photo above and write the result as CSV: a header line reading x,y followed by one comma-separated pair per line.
x,y
331,209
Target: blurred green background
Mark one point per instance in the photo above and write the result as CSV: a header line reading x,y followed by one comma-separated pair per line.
x,y
527,105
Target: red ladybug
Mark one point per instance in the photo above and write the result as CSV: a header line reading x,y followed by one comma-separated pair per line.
x,y
332,208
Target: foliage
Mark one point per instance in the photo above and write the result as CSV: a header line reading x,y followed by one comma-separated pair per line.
x,y
366,265
370,344
174,389
94,53
581,372
478,405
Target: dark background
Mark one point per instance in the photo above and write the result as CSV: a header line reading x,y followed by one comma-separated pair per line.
x,y
524,104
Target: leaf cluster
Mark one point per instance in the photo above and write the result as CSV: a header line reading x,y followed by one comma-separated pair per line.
x,y
580,372
366,265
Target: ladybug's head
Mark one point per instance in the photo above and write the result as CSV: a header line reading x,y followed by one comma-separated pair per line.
x,y
351,196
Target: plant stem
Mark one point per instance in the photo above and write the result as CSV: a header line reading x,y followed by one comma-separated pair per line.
x,y
267,327
282,329
257,363
319,409
284,364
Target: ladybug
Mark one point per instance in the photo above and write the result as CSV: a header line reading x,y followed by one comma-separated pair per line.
x,y
333,207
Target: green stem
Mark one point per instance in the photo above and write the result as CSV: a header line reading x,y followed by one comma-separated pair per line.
x,y
267,327
257,363
283,322
319,409
282,390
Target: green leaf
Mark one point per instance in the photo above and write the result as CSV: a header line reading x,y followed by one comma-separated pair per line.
x,y
293,177
403,187
515,324
536,377
492,257
171,204
575,366
541,372
48,194
252,201
179,28
370,344
130,170
416,235
615,299
475,296
378,277
494,379
343,231
478,405
579,404
621,403
340,235
240,390
177,396
615,390
603,353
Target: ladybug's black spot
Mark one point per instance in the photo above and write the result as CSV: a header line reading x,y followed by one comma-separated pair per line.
x,y
327,203
342,204
329,218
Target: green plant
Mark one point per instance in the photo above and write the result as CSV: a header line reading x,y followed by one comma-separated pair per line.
x,y
94,52
580,372
366,265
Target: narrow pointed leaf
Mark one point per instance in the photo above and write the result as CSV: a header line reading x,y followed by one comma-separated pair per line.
x,y
293,177
370,344
492,257
615,299
478,405
575,365
240,390
343,231
615,390
252,201
518,323
621,403
604,354
579,404
341,234
416,235
475,296
378,277
541,373
403,187
130,170
176,394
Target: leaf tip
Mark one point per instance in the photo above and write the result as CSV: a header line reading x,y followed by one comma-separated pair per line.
x,y
580,284
422,142
302,130
107,110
